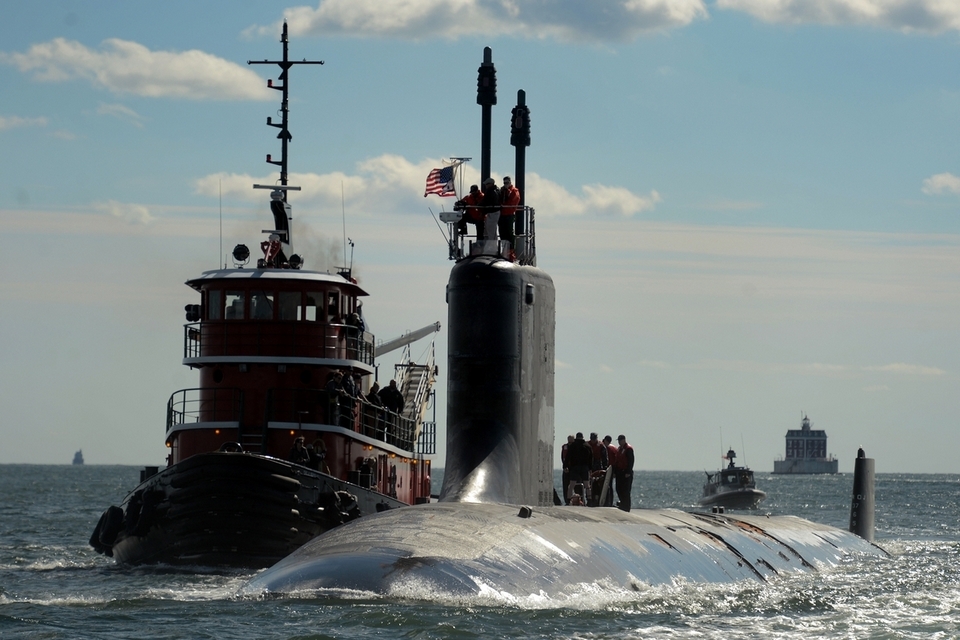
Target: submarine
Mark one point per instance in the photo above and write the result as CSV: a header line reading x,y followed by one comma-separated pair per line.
x,y
496,526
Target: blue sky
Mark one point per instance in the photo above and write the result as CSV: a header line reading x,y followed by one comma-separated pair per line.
x,y
750,208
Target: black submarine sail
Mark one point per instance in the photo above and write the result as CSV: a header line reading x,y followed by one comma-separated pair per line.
x,y
500,351
495,528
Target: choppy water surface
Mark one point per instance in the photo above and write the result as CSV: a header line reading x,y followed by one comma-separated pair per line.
x,y
52,585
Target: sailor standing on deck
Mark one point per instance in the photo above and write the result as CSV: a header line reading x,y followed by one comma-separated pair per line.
x,y
612,462
599,453
491,207
334,389
348,401
509,200
597,468
299,453
470,205
623,472
579,460
565,477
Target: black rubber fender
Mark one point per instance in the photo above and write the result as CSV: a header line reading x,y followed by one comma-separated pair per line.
x,y
132,514
95,536
112,524
349,506
148,509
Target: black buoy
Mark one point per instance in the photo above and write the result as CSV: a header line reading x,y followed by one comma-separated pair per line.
x,y
861,507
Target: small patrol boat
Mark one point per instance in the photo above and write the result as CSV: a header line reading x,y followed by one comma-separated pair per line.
x,y
281,439
731,488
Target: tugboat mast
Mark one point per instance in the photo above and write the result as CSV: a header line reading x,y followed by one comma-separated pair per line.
x,y
284,78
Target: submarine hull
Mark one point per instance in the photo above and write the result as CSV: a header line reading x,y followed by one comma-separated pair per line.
x,y
471,549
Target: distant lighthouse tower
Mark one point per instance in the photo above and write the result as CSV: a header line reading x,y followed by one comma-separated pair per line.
x,y
806,452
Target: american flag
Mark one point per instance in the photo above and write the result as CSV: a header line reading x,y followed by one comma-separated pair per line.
x,y
440,182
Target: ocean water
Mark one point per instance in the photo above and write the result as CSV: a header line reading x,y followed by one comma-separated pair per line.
x,y
52,585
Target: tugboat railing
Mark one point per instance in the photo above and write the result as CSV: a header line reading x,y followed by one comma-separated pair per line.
x,y
304,406
219,338
427,440
319,406
214,404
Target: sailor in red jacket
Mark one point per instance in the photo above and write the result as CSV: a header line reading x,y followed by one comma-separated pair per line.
x,y
470,205
612,462
509,201
491,208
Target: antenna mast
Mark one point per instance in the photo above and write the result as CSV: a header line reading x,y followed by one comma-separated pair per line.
x,y
284,78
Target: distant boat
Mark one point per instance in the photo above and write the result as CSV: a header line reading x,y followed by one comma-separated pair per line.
x,y
806,452
731,488
78,457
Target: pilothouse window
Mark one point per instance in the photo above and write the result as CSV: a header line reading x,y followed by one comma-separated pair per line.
x,y
290,305
261,305
333,307
214,304
313,307
234,305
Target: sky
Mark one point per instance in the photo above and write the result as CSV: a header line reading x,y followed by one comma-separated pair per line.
x,y
750,208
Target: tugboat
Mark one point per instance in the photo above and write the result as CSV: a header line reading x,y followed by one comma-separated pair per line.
x,y
278,442
78,457
731,488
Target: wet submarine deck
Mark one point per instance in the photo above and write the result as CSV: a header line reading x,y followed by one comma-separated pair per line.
x,y
465,549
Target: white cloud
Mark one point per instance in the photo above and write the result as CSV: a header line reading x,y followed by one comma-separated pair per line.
x,y
941,183
126,211
818,369
122,66
12,122
121,112
388,181
732,205
928,16
598,20
907,369
654,364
